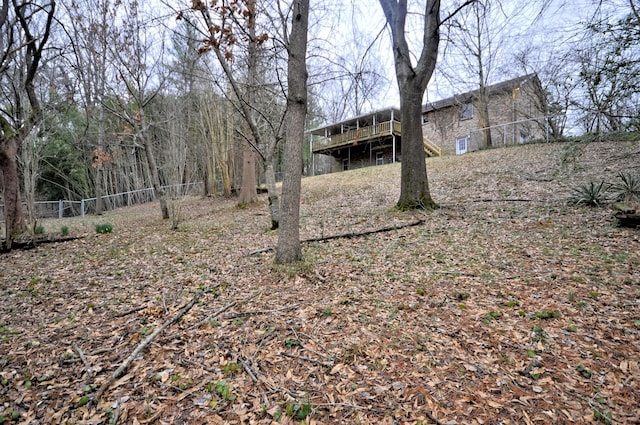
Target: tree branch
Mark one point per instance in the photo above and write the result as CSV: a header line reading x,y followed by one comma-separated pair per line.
x,y
125,365
455,12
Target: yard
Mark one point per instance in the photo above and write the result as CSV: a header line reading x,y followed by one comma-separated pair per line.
x,y
506,305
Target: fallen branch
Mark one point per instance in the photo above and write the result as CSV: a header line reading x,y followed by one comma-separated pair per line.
x,y
125,365
260,251
128,312
223,309
503,200
247,368
350,235
217,313
258,312
308,359
83,358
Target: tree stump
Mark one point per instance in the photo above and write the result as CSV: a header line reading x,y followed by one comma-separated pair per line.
x,y
628,217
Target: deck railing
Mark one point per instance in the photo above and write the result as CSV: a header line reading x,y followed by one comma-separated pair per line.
x,y
359,134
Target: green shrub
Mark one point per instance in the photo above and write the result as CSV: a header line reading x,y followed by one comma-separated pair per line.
x,y
547,314
64,230
104,228
592,194
39,230
626,188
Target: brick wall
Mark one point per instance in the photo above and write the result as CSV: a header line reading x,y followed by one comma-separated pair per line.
x,y
446,124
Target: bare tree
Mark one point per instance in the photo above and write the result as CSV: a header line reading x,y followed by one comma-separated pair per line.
x,y
609,62
24,32
90,32
139,67
476,39
412,83
215,129
289,249
236,21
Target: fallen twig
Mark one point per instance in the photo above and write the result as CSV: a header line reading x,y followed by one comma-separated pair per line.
x,y
83,358
247,368
308,359
430,416
223,309
128,312
260,251
258,312
142,346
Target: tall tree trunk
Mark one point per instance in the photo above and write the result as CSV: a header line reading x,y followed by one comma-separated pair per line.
x,y
272,193
412,83
14,217
483,96
483,118
414,188
99,185
248,194
289,249
155,178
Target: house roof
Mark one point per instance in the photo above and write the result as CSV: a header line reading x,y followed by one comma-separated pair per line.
x,y
458,99
381,115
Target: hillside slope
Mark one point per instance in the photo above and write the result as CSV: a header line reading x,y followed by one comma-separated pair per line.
x,y
505,306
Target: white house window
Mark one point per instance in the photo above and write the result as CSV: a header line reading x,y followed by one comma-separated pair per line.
x,y
461,145
467,111
379,158
425,118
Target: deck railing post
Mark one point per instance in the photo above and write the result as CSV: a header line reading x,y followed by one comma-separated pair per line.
x,y
60,209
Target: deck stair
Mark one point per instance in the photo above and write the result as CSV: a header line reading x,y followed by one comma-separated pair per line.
x,y
430,149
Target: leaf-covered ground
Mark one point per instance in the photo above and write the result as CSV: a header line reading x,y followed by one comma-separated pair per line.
x,y
507,306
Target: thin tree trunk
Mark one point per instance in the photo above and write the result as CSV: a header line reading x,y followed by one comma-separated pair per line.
x,y
274,199
155,178
248,194
289,249
483,119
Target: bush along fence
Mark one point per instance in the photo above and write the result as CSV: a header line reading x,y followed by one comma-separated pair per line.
x,y
66,208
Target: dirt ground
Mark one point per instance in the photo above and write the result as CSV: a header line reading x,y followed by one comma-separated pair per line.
x,y
507,305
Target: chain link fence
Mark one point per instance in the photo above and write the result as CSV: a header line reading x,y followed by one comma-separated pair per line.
x,y
67,208
512,133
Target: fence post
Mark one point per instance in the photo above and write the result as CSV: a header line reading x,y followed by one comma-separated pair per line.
x,y
60,209
82,207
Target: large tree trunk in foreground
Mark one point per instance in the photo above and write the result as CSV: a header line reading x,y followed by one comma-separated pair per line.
x,y
412,83
289,249
414,188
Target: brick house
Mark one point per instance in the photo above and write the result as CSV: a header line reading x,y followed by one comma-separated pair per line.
x,y
450,127
514,115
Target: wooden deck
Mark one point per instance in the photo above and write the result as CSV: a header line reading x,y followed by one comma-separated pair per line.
x,y
358,136
363,135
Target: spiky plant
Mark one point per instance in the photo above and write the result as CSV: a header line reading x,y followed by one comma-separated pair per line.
x,y
593,194
626,188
